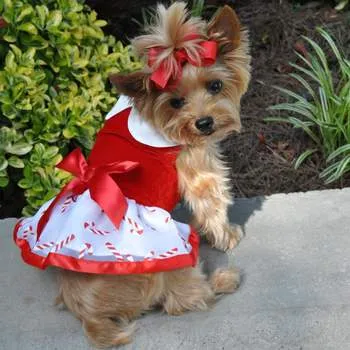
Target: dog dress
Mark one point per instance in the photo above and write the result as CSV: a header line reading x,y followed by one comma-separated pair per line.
x,y
114,216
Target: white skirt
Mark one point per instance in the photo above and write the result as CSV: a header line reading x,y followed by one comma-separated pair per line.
x,y
79,236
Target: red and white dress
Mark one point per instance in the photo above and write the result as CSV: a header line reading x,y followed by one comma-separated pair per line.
x,y
80,236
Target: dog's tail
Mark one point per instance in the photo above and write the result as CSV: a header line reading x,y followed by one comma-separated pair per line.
x,y
108,332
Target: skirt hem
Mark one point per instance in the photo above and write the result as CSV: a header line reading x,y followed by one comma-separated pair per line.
x,y
108,267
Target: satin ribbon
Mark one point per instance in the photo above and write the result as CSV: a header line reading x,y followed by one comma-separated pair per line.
x,y
167,78
103,189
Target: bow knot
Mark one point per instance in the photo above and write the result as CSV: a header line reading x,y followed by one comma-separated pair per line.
x,y
103,189
87,175
167,71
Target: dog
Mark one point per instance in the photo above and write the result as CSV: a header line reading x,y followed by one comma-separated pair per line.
x,y
199,111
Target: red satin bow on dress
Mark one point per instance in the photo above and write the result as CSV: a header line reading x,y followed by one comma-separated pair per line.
x,y
162,76
103,189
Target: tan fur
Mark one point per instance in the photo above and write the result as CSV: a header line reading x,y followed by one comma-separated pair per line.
x,y
107,304
197,167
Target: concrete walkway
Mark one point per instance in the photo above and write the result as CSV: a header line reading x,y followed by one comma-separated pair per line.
x,y
295,295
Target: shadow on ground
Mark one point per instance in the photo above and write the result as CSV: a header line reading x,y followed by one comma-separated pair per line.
x,y
239,214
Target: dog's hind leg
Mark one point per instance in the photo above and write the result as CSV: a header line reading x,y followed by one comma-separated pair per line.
x,y
189,290
186,290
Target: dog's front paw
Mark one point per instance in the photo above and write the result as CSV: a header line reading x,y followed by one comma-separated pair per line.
x,y
228,238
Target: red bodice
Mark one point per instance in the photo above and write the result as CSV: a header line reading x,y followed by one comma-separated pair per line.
x,y
154,182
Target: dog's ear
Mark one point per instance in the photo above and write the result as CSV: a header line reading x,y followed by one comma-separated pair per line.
x,y
227,27
131,84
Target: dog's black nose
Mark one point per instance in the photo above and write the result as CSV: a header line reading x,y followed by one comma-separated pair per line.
x,y
205,124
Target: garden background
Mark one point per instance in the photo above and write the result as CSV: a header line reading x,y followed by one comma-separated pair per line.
x,y
55,58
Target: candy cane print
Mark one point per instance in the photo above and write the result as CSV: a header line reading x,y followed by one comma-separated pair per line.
x,y
153,210
46,245
64,242
90,250
69,200
186,244
27,232
114,251
92,227
168,254
86,250
135,227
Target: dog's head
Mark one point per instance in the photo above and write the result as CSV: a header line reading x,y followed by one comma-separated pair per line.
x,y
194,77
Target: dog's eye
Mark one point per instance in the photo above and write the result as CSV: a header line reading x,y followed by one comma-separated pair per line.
x,y
177,103
214,86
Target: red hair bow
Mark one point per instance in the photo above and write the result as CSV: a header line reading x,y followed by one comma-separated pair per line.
x,y
103,189
167,75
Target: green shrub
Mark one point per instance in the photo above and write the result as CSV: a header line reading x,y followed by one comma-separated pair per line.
x,y
325,113
54,91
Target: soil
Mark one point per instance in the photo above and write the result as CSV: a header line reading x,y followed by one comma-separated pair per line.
x,y
261,156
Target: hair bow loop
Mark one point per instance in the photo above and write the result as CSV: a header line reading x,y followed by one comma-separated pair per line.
x,y
166,75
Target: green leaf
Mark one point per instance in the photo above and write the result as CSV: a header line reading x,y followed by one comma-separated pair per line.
x,y
39,149
10,38
16,162
69,133
28,211
19,149
4,181
10,61
24,183
3,163
42,12
28,27
54,19
27,10
29,54
80,63
50,152
34,41
17,51
100,23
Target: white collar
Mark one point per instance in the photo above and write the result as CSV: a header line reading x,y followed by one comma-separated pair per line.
x,y
139,128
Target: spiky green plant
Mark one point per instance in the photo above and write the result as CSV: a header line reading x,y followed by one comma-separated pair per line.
x,y
325,114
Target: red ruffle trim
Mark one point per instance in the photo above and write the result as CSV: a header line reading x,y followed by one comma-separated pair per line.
x,y
108,267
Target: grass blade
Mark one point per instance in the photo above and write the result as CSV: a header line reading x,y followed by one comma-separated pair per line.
x,y
338,152
301,159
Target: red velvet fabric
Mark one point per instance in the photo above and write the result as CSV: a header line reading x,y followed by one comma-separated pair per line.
x,y
154,182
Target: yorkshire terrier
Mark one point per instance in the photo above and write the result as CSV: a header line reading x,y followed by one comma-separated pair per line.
x,y
200,110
